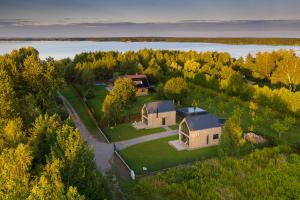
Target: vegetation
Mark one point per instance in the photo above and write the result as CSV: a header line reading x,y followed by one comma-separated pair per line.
x,y
271,173
115,103
231,136
260,41
125,132
57,164
176,89
71,95
42,155
94,102
158,154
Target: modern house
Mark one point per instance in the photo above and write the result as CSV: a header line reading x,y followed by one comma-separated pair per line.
x,y
158,113
197,131
140,82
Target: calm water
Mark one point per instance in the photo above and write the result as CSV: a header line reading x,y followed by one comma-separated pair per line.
x,y
62,49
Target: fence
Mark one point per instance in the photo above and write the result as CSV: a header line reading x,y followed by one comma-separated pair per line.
x,y
88,109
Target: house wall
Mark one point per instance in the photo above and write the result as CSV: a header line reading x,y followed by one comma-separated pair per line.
x,y
198,139
156,121
141,92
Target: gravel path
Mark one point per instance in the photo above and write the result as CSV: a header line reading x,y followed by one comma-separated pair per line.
x,y
127,143
103,151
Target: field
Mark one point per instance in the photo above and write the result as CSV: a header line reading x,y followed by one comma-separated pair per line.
x,y
158,154
125,132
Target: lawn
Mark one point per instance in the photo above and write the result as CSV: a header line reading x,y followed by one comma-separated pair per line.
x,y
158,154
95,102
125,132
174,127
70,94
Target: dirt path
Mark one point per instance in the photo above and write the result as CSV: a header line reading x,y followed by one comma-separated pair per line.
x,y
103,151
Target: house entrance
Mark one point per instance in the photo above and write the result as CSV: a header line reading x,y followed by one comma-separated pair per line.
x,y
163,121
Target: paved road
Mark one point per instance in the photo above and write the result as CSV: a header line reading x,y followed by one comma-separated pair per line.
x,y
127,143
104,151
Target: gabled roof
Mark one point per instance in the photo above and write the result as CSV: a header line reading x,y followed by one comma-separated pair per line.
x,y
139,80
136,76
205,121
160,106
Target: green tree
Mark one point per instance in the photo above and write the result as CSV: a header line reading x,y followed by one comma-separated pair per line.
x,y
288,71
115,103
15,172
88,81
230,137
281,127
13,133
176,89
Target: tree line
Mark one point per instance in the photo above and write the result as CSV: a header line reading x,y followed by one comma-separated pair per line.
x,y
268,78
42,155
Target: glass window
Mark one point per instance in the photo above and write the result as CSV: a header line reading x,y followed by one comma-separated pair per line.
x,y
216,136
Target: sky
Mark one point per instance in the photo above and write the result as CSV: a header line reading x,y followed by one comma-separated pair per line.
x,y
98,18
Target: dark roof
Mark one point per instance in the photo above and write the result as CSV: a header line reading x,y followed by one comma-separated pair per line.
x,y
199,122
139,80
183,112
160,106
136,76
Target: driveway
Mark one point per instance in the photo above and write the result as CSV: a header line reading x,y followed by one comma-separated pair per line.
x,y
104,151
127,143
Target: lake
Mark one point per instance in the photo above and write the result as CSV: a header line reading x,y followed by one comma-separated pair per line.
x,y
63,49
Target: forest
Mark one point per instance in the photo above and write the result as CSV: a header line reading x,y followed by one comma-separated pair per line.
x,y
44,157
42,154
260,41
268,78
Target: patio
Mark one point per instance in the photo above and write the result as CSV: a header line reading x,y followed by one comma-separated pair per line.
x,y
177,145
139,125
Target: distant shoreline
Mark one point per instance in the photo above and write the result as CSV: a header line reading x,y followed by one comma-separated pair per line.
x,y
236,41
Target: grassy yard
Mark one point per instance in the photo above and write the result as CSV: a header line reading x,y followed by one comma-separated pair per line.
x,y
158,154
126,131
174,127
95,103
70,94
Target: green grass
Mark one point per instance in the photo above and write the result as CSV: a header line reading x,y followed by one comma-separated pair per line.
x,y
70,94
158,154
126,131
174,127
95,102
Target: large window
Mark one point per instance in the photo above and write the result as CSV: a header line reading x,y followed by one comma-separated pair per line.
x,y
216,136
184,128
